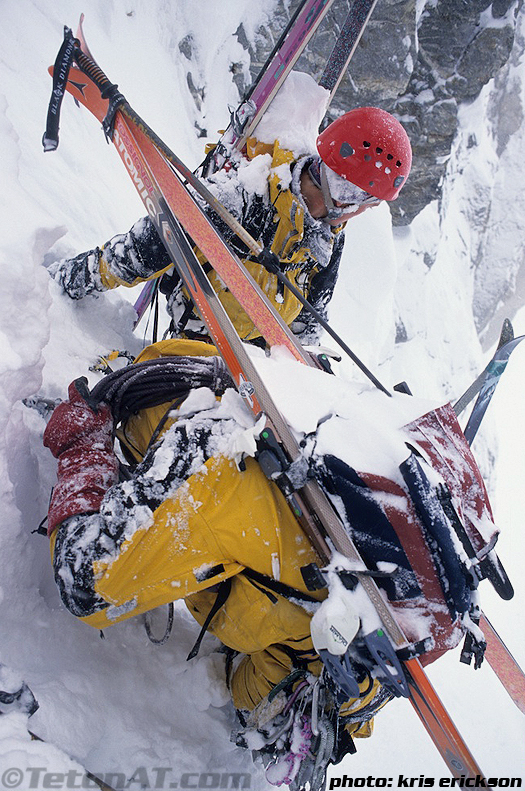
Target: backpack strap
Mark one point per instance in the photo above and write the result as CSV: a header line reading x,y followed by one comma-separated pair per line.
x,y
223,592
281,588
256,578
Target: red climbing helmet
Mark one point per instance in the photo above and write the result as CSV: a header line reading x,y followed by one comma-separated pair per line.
x,y
368,147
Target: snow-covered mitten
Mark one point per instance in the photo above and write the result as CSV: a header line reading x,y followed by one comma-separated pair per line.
x,y
80,436
78,276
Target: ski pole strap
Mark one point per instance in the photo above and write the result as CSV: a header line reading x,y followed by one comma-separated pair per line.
x,y
281,588
222,596
61,70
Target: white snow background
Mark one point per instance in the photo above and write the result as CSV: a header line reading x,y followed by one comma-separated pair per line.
x,y
123,705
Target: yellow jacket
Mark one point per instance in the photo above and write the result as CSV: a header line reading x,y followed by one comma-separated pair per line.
x,y
298,261
217,523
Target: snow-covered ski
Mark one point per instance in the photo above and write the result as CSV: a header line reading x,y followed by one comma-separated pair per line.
x,y
280,62
503,663
347,41
485,384
506,335
491,379
174,211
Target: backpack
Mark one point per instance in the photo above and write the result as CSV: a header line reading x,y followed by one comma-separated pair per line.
x,y
433,527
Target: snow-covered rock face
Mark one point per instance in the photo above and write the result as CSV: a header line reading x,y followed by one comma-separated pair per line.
x,y
421,61
429,62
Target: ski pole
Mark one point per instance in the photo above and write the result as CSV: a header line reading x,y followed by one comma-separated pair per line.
x,y
270,262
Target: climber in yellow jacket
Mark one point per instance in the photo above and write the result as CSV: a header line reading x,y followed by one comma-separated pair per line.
x,y
364,157
189,523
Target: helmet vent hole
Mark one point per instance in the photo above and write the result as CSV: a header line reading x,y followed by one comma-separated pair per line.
x,y
366,144
398,164
367,157
390,156
370,183
379,150
346,150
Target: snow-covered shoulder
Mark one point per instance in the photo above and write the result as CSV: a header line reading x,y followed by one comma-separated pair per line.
x,y
295,114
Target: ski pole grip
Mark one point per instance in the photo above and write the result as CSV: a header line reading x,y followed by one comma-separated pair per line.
x,y
269,260
93,71
108,90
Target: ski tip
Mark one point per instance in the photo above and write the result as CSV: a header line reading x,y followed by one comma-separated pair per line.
x,y
507,332
81,37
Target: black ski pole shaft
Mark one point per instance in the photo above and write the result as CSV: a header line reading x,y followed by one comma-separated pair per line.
x,y
324,324
507,334
348,39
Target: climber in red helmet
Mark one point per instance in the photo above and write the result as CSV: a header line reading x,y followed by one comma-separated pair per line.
x,y
364,157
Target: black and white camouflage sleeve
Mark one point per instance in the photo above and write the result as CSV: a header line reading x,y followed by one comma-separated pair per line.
x,y
127,506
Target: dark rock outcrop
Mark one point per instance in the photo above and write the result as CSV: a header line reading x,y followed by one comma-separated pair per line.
x,y
418,61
